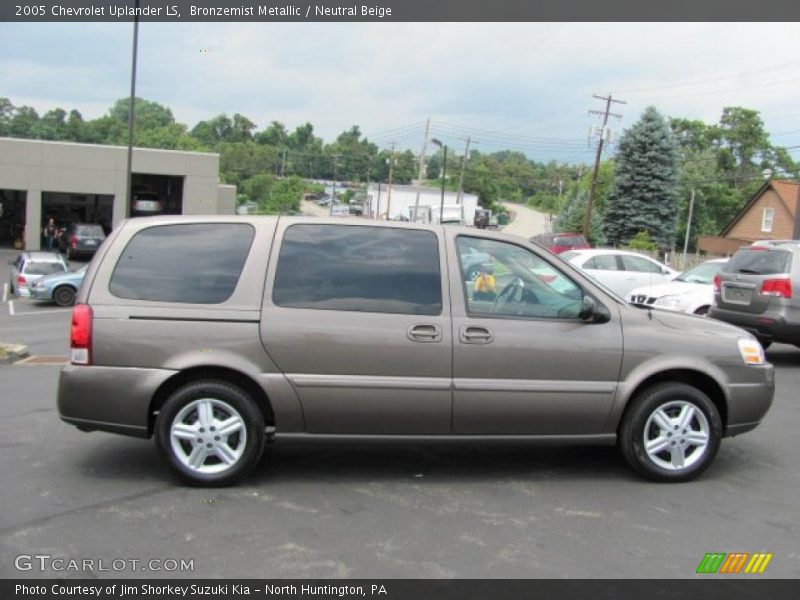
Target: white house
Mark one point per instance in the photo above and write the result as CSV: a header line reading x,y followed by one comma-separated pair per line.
x,y
403,198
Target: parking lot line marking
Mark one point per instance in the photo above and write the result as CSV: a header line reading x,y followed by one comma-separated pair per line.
x,y
11,307
5,292
40,312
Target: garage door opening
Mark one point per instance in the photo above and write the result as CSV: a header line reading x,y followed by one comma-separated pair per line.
x,y
155,195
12,219
76,208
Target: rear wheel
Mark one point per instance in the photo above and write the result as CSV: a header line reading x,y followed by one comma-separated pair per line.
x,y
702,311
671,432
64,295
210,433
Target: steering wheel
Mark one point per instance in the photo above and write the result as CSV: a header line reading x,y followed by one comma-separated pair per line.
x,y
508,295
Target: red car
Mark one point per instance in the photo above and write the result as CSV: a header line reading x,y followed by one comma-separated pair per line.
x,y
561,242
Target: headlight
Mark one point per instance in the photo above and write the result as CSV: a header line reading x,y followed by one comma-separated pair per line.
x,y
674,302
751,351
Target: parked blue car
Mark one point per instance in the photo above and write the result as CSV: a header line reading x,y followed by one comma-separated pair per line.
x,y
59,287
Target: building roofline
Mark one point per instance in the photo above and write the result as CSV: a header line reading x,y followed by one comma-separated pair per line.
x,y
754,198
87,145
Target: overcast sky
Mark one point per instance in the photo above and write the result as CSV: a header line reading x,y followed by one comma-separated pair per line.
x,y
528,85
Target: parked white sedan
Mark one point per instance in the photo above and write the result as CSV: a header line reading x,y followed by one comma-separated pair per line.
x,y
620,270
691,292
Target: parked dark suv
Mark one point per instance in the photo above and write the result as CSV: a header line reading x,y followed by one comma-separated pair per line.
x,y
81,239
758,289
212,334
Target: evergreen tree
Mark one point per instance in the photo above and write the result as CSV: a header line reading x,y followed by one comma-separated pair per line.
x,y
570,219
644,195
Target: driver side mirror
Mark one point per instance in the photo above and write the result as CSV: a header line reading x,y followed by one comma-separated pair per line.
x,y
592,312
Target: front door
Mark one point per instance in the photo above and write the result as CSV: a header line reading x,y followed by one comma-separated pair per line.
x,y
524,362
358,319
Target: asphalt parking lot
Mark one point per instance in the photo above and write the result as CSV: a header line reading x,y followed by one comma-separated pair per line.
x,y
382,510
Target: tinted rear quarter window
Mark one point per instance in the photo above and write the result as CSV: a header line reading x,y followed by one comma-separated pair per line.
x,y
759,262
359,268
198,263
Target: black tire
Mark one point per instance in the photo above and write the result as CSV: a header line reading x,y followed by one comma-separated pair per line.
x,y
64,295
632,431
229,395
702,311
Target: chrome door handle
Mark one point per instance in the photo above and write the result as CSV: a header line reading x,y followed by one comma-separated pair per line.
x,y
475,335
425,333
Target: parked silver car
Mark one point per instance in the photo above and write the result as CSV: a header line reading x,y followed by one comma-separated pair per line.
x,y
29,267
212,334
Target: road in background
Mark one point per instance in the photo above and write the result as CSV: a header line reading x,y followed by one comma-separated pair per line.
x,y
527,222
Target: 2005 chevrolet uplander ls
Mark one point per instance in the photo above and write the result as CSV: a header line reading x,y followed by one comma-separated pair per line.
x,y
213,334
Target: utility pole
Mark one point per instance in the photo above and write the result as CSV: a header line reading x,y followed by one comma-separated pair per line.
x,y
463,168
389,191
421,169
587,219
283,162
688,229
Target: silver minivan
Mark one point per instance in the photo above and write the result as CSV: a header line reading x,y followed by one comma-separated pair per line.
x,y
216,334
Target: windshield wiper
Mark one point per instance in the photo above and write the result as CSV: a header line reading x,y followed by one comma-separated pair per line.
x,y
749,271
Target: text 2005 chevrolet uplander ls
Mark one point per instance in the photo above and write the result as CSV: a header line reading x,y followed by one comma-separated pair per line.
x,y
213,334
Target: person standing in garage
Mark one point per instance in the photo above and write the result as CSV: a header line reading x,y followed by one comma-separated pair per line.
x,y
50,232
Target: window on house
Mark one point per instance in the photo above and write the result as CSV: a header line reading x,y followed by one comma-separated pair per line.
x,y
766,219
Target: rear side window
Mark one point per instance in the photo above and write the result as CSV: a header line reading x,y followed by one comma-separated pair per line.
x,y
89,230
44,268
602,262
759,262
570,240
357,268
198,263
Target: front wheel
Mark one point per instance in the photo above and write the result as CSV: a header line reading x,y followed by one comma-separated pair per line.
x,y
64,296
210,433
671,432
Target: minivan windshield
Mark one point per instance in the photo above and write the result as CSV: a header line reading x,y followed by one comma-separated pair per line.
x,y
759,262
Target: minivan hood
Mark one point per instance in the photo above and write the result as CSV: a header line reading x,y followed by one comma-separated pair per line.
x,y
696,325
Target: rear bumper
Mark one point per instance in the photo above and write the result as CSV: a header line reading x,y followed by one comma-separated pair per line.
x,y
114,399
22,292
770,326
749,402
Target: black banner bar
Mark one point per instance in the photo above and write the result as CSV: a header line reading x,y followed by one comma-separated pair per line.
x,y
712,588
401,10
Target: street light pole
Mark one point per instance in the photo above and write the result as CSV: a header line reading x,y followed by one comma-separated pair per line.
x,y
131,109
444,173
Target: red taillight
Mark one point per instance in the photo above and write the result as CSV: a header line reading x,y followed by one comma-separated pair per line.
x,y
717,283
81,335
777,287
73,241
21,280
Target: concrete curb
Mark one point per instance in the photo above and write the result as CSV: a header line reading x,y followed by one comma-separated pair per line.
x,y
11,353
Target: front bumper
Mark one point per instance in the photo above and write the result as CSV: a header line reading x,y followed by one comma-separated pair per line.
x,y
749,402
768,326
41,294
114,399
